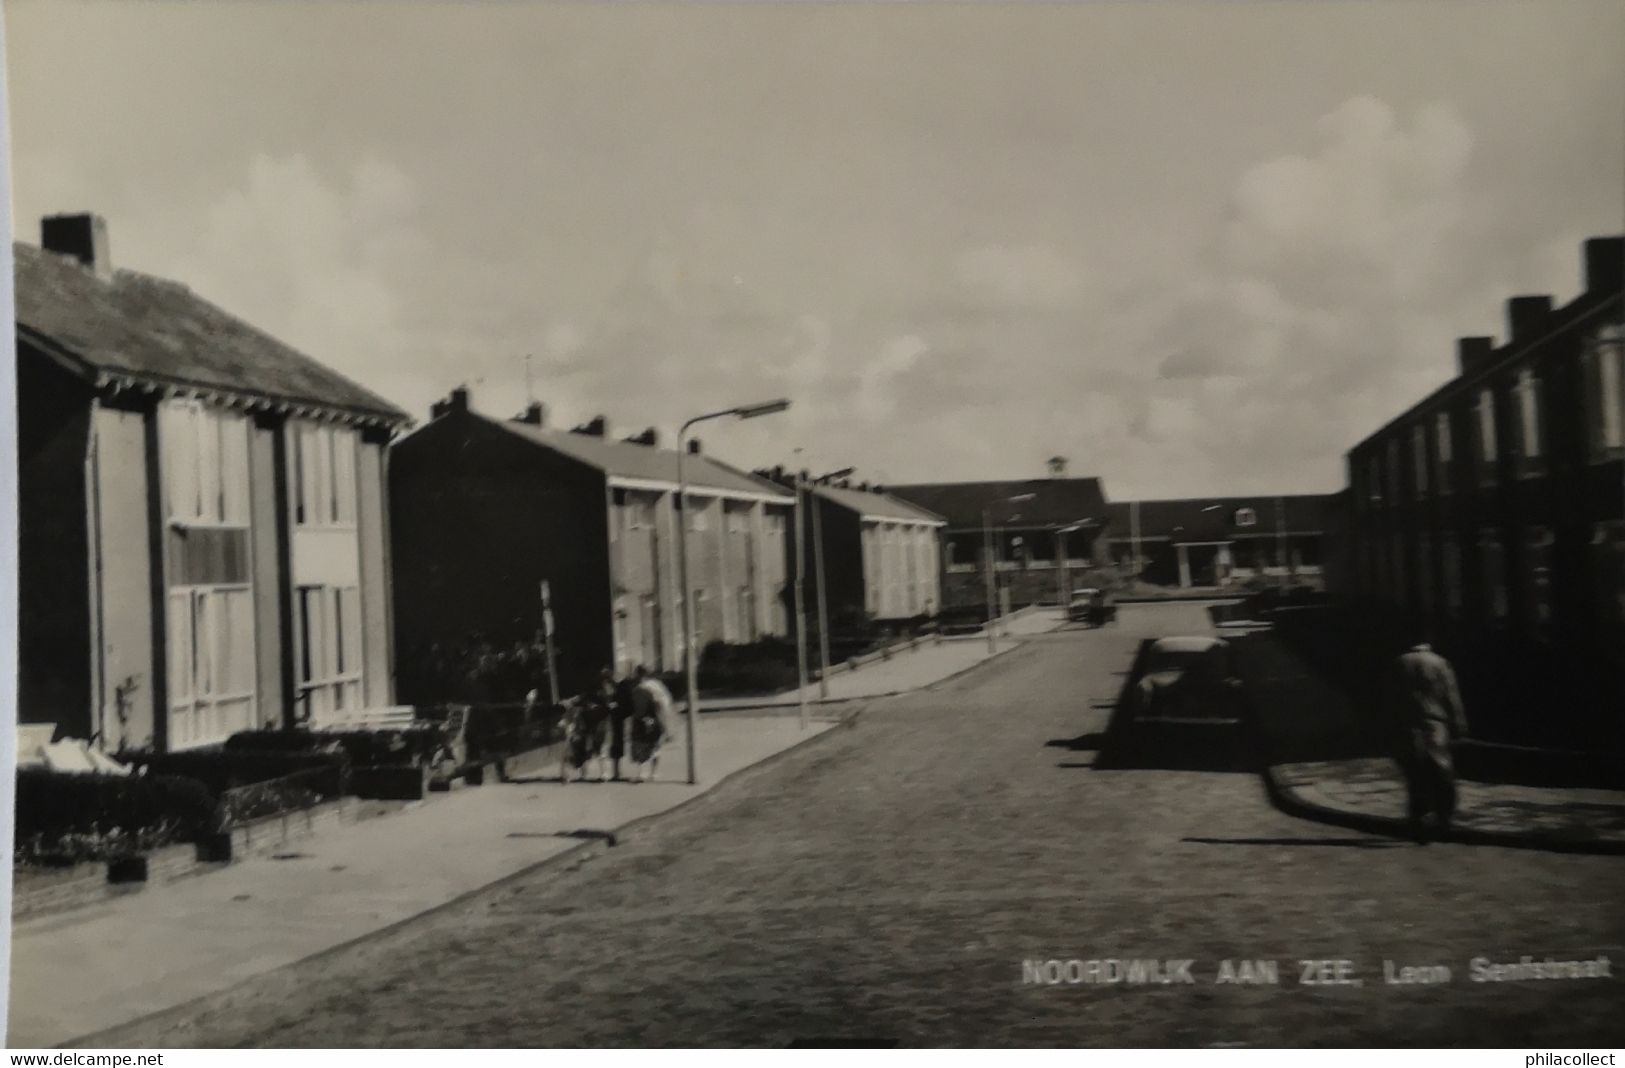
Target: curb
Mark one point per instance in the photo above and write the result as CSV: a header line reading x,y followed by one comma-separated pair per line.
x,y
175,1017
1292,803
813,702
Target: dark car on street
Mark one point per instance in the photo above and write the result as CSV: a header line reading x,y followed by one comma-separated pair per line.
x,y
1191,679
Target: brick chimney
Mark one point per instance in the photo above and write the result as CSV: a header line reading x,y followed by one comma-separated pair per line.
x,y
596,427
535,414
649,436
82,236
694,446
1471,353
1525,314
1605,265
457,401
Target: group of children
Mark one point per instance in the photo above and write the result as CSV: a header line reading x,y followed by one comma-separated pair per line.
x,y
631,717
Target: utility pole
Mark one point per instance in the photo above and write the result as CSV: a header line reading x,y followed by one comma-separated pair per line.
x,y
823,607
1280,538
801,608
987,567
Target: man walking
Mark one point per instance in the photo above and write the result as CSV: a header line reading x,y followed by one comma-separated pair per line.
x,y
1431,718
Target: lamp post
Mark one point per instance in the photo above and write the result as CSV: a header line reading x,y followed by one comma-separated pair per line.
x,y
743,411
991,562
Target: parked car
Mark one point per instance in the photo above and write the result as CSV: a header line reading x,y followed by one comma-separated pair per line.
x,y
1189,678
1091,605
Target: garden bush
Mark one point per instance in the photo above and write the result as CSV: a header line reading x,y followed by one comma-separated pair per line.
x,y
358,748
762,666
67,817
229,768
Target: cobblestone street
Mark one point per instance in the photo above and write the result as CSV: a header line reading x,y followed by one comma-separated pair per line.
x,y
887,883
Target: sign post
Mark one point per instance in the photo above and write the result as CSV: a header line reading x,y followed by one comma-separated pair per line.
x,y
547,631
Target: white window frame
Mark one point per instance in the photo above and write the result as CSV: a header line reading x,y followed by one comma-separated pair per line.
x,y
335,676
1603,361
205,707
1444,454
1487,452
1527,389
323,477
204,456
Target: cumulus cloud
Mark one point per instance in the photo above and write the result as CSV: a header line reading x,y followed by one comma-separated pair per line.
x,y
1020,276
310,258
1326,303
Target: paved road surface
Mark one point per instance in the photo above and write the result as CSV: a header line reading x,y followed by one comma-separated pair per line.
x,y
888,884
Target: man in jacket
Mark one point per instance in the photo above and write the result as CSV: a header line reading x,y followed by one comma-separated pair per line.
x,y
1427,704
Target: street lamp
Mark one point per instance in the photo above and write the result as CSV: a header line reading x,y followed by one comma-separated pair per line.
x,y
743,411
988,554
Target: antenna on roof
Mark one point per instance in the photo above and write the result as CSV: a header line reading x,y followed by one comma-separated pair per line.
x,y
530,389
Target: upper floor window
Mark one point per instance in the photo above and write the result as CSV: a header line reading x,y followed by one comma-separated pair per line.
x,y
1419,460
1246,517
1393,469
323,475
1443,453
1485,438
1527,392
1373,480
1603,364
204,453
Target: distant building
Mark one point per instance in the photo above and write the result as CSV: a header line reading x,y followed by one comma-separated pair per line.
x,y
202,512
1047,535
1221,541
880,553
487,510
1492,512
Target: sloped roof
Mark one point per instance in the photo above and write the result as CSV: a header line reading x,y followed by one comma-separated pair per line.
x,y
868,502
135,326
1056,502
625,459
1214,518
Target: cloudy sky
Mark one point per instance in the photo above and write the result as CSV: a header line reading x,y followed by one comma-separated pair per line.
x,y
1195,247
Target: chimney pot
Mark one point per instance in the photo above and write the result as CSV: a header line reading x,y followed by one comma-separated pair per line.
x,y
1605,264
597,427
535,414
1524,315
1471,351
694,446
83,236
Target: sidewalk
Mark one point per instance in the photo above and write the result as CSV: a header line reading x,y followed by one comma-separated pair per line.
x,y
1323,762
80,973
908,669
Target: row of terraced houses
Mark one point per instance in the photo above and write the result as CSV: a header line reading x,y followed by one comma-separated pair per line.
x,y
1491,513
217,532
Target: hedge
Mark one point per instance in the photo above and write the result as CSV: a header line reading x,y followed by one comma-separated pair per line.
x,y
66,817
228,768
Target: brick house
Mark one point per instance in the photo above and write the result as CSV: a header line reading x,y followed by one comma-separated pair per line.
x,y
485,510
1221,541
1492,513
1048,536
880,552
202,511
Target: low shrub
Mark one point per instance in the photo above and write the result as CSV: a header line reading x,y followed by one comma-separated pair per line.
x,y
68,817
227,768
762,666
358,748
